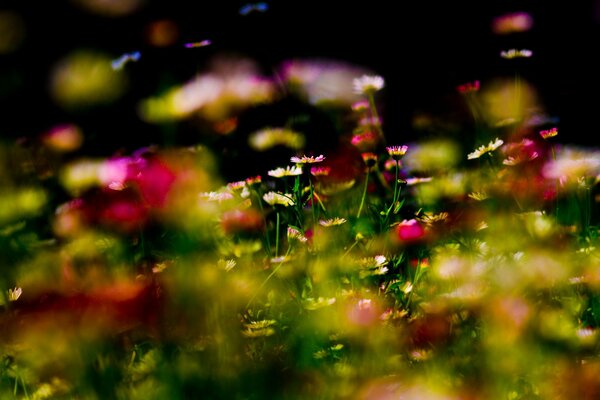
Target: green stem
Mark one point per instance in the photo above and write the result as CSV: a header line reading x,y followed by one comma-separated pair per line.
x,y
277,236
269,277
364,195
394,199
262,212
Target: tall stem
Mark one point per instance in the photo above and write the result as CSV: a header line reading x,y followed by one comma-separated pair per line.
x,y
364,195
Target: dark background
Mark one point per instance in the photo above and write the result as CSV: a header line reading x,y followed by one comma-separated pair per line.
x,y
423,49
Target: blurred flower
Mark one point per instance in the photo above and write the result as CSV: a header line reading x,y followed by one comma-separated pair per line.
x,y
514,53
253,180
547,134
469,87
231,85
332,222
266,139
365,141
572,164
511,23
415,181
274,198
409,231
63,138
84,79
307,159
216,196
320,171
161,33
360,106
322,81
430,156
295,234
14,294
367,84
525,150
110,8
242,221
493,145
21,203
287,171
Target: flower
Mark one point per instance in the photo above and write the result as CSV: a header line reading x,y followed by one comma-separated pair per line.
x,y
396,152
287,171
295,234
416,180
14,294
238,221
410,231
493,145
361,105
514,53
274,198
573,164
254,180
364,141
320,171
216,196
468,87
547,134
368,84
369,158
307,159
332,222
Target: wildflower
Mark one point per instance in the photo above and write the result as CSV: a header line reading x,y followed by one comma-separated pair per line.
x,y
364,141
236,186
396,152
253,180
547,134
367,84
239,221
525,150
287,171
322,81
295,234
332,222
410,231
315,304
363,313
259,328
369,158
513,22
360,106
514,53
430,218
493,145
478,196
468,87
227,265
415,181
320,171
14,294
274,198
216,196
64,138
573,164
307,159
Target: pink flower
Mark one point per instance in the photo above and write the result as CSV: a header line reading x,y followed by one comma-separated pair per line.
x,y
409,231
